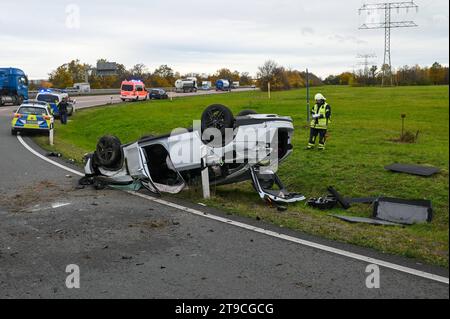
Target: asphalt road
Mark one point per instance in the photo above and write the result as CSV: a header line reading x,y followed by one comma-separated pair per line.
x,y
129,247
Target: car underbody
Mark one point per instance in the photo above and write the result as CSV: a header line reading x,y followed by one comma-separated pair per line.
x,y
167,164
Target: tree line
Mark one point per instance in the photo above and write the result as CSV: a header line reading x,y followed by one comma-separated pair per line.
x,y
279,77
406,75
75,71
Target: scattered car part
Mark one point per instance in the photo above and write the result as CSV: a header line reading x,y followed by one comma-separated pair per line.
x,y
323,203
53,154
345,204
403,211
281,195
86,181
363,220
158,164
363,200
419,170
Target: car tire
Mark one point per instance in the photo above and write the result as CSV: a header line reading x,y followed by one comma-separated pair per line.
x,y
108,153
220,117
247,112
13,132
20,100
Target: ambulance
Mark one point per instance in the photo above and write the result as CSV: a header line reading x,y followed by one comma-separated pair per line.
x,y
133,90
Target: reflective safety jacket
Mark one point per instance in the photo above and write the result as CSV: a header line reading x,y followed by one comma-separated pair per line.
x,y
325,116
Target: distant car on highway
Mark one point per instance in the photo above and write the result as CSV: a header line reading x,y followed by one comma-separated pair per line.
x,y
54,97
133,90
206,85
32,116
158,94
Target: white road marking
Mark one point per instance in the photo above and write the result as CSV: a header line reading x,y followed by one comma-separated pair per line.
x,y
47,159
38,208
329,249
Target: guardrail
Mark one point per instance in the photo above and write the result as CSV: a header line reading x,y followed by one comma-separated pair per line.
x,y
32,94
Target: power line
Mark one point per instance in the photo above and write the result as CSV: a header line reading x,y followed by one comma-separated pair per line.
x,y
366,63
387,25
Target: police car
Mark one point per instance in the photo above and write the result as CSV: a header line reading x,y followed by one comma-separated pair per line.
x,y
32,116
53,97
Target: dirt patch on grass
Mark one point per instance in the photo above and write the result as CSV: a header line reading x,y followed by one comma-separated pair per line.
x,y
407,138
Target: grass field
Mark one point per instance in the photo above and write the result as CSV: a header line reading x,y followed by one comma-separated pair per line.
x,y
365,121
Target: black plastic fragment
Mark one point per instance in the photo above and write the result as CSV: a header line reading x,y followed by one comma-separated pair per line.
x,y
418,170
345,204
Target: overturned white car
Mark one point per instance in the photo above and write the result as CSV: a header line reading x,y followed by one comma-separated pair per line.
x,y
233,149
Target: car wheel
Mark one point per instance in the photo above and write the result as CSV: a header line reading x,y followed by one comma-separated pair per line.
x,y
247,112
219,117
13,132
108,153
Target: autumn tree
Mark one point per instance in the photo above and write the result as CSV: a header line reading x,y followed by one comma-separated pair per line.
x,y
437,74
245,79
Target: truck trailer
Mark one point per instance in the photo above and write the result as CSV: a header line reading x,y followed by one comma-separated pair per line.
x,y
186,85
13,86
223,85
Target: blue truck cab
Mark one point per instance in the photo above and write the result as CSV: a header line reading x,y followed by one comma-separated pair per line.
x,y
13,86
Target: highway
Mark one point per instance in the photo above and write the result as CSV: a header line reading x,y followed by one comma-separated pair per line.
x,y
129,246
96,100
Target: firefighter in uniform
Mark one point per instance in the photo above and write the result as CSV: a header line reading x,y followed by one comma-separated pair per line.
x,y
321,116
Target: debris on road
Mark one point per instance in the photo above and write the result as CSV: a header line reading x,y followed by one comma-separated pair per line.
x,y
53,154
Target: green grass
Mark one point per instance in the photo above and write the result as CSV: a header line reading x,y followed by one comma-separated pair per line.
x,y
365,120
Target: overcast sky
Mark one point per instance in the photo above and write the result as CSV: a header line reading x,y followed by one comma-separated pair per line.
x,y
203,36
